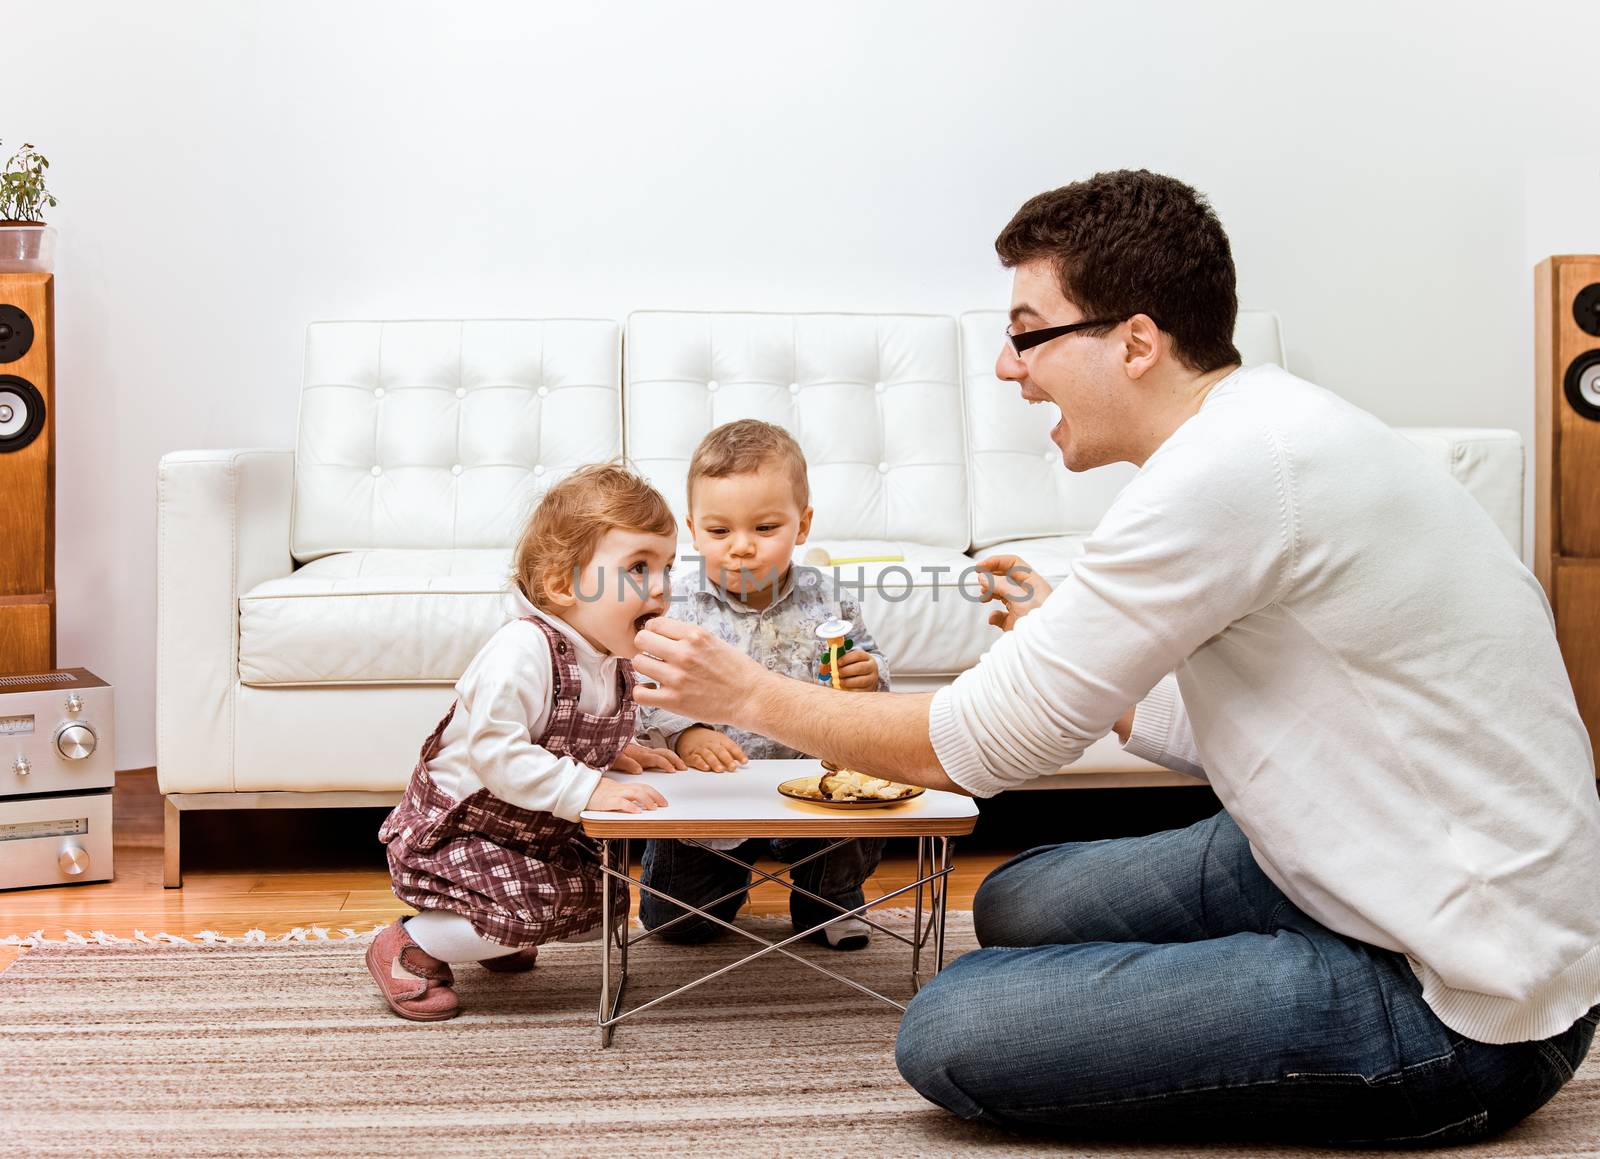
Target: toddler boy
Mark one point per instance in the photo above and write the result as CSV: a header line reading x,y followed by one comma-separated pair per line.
x,y
749,508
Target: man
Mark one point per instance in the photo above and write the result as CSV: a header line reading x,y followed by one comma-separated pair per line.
x,y
1392,932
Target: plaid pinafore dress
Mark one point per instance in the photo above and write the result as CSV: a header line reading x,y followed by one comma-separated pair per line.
x,y
520,877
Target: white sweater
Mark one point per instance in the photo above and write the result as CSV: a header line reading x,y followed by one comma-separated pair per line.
x,y
502,701
1361,667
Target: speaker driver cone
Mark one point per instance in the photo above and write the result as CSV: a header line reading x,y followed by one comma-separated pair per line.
x,y
21,413
16,333
1586,309
1583,385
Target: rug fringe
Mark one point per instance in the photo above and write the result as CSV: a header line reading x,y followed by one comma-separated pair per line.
x,y
259,937
202,938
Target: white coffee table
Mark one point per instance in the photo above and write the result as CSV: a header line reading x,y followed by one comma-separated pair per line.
x,y
747,803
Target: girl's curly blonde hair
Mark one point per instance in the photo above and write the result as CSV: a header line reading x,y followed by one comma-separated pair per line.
x,y
571,519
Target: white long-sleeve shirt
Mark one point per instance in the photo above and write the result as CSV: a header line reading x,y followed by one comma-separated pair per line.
x,y
1335,634
502,702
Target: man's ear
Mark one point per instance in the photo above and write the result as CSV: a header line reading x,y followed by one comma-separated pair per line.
x,y
1143,347
805,526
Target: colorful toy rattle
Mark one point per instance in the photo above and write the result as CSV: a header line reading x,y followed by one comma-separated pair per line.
x,y
835,644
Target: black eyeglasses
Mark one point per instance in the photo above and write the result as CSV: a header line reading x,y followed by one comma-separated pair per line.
x,y
1032,338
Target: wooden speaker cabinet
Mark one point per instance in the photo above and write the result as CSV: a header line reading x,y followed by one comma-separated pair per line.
x,y
1566,546
27,474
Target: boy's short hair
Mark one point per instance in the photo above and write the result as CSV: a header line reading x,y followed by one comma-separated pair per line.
x,y
570,520
743,447
1135,242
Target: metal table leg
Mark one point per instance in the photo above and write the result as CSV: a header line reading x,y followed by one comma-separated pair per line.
x,y
613,865
916,921
942,884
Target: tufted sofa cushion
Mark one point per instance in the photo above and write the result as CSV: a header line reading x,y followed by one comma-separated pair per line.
x,y
875,402
443,434
387,616
1011,452
873,399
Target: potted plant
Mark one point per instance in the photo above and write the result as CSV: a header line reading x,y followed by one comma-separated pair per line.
x,y
27,244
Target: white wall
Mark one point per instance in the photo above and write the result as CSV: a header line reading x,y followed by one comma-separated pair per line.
x,y
228,172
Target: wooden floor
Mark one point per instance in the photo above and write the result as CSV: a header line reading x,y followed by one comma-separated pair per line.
x,y
276,870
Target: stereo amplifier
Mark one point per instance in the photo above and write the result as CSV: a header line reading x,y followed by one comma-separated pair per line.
x,y
57,766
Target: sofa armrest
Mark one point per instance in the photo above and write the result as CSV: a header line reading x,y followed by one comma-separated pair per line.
x,y
1488,463
223,519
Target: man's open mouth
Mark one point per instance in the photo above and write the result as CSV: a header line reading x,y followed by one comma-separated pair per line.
x,y
640,621
1061,421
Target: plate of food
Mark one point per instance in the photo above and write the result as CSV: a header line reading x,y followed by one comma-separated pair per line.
x,y
848,789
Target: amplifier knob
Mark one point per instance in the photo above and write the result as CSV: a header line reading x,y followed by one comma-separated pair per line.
x,y
74,704
74,860
75,741
21,767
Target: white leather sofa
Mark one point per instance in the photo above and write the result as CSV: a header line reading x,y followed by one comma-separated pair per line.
x,y
316,605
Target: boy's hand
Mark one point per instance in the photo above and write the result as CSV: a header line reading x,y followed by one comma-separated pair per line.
x,y
858,670
709,751
610,797
1017,586
636,758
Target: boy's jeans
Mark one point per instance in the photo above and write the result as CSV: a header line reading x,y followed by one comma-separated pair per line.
x,y
696,876
1163,986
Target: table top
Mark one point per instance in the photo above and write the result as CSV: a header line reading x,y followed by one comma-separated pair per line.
x,y
746,803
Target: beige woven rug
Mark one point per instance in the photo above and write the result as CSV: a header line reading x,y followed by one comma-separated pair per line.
x,y
284,1048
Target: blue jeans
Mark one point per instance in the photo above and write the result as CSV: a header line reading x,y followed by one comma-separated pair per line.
x,y
697,876
1162,986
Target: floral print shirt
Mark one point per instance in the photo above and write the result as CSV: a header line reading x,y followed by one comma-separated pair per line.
x,y
782,637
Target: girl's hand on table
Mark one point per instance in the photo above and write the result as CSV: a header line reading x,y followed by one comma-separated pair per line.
x,y
709,751
636,758
611,797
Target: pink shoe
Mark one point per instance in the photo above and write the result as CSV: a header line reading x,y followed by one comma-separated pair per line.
x,y
415,984
517,963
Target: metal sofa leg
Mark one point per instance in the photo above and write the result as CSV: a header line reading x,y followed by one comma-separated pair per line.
x,y
172,865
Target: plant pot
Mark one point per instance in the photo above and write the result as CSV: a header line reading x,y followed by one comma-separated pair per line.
x,y
27,247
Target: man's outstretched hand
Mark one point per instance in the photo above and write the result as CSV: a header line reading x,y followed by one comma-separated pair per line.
x,y
1018,588
697,674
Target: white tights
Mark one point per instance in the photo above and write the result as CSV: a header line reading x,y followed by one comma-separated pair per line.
x,y
451,938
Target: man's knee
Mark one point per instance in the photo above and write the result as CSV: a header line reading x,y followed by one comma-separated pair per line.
x,y
1007,898
937,1038
1001,1033
992,912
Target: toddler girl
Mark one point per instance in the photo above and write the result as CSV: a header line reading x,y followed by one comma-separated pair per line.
x,y
485,842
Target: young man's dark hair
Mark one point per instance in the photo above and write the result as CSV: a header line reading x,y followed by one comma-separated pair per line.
x,y
1135,242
